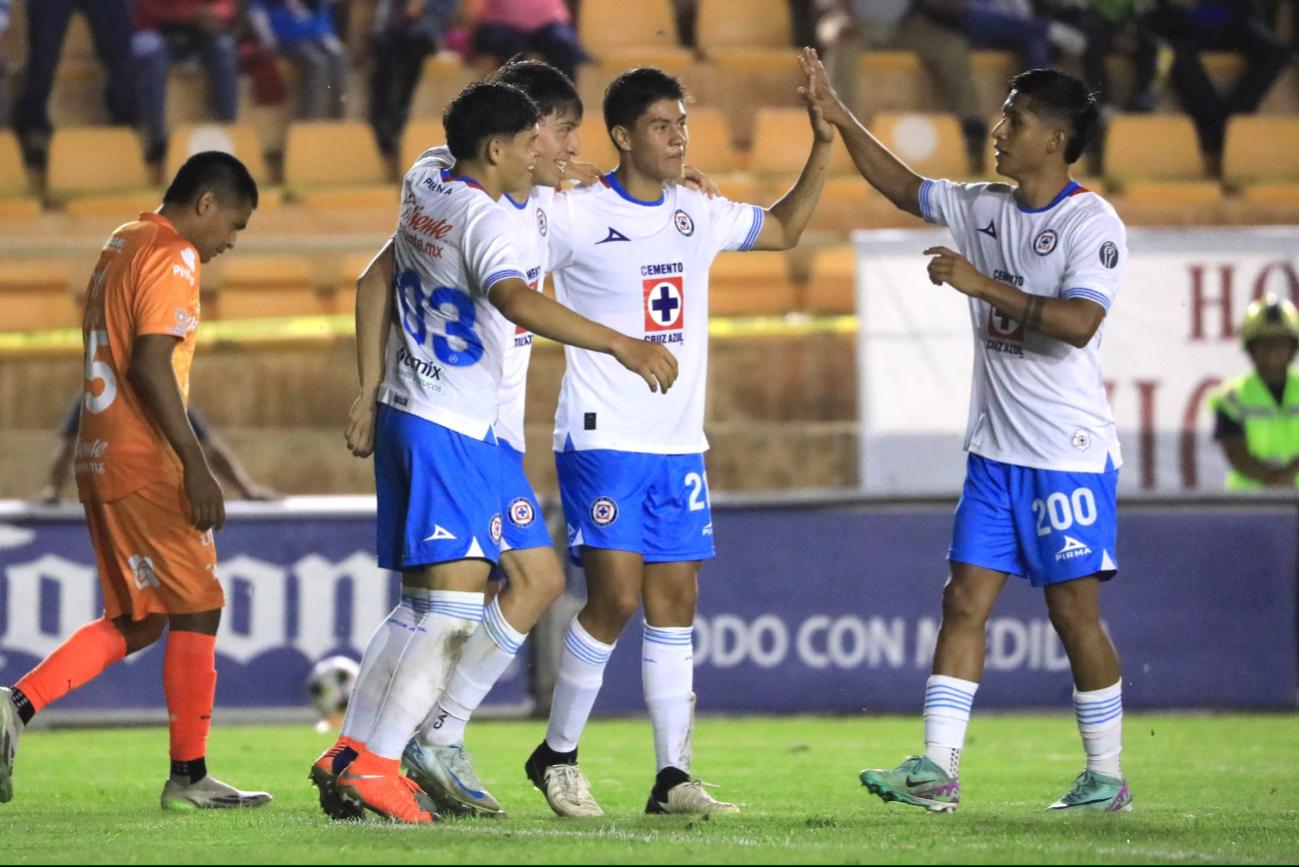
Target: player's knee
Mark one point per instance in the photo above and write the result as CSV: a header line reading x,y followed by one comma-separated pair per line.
x,y
1072,616
614,607
139,634
964,607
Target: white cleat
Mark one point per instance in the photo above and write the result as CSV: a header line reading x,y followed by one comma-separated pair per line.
x,y
566,788
446,774
11,728
208,794
688,797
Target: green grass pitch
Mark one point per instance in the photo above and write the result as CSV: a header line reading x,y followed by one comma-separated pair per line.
x,y
1208,788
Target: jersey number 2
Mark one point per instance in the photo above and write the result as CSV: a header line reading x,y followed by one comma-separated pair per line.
x,y
457,345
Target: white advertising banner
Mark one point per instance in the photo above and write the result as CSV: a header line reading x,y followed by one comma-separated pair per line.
x,y
1171,336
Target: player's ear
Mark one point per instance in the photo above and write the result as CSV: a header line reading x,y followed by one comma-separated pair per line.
x,y
621,138
206,204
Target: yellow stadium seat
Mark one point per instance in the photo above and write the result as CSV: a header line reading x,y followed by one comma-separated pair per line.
x,y
95,160
832,290
710,145
16,200
34,295
263,287
781,139
743,24
750,284
931,144
1262,149
419,136
1152,147
605,25
239,141
335,165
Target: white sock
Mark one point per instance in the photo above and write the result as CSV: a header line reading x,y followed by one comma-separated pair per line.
x,y
381,655
488,652
448,618
1100,721
947,713
668,675
581,671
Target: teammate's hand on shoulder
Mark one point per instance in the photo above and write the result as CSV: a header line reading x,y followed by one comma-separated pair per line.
x,y
360,426
581,173
955,270
818,93
653,362
694,179
207,507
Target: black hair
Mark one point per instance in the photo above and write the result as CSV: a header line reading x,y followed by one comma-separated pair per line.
x,y
631,94
1062,97
484,111
217,171
550,89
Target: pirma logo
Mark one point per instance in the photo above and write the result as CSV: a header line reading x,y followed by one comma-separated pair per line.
x,y
1072,548
604,511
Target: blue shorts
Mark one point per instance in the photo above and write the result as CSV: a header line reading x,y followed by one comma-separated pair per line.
x,y
438,491
1047,525
524,527
654,505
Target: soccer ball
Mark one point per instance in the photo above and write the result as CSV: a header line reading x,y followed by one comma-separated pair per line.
x,y
330,685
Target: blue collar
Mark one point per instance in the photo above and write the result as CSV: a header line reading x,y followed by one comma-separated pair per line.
x,y
518,206
1070,188
612,183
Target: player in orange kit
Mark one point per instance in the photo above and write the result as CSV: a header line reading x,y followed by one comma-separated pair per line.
x,y
151,500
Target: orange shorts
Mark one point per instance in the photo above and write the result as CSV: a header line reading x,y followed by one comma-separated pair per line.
x,y
151,559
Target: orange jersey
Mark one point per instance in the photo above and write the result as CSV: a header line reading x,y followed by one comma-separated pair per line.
x,y
146,282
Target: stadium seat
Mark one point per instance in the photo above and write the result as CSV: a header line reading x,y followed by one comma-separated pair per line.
x,y
750,284
726,24
263,287
781,140
16,200
742,82
419,136
239,141
710,145
931,144
336,165
99,171
1152,147
1262,149
606,26
34,295
832,290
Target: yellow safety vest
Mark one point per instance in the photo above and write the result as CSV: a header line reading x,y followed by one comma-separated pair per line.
x,y
1271,431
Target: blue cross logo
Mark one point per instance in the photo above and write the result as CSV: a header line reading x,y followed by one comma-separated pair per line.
x,y
665,305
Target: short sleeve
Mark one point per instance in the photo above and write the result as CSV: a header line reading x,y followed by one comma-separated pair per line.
x,y
489,255
560,231
1226,427
167,280
945,203
1098,252
735,226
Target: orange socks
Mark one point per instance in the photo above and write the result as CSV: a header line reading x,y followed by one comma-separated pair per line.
x,y
189,681
77,661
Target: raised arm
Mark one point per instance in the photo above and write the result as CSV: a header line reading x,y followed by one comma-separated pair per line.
x,y
154,380
373,317
786,220
534,311
877,164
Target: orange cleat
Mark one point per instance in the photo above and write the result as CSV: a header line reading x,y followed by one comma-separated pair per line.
x,y
324,776
376,784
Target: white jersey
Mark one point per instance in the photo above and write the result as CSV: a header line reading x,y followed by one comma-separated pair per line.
x,y
640,268
447,347
531,225
1035,401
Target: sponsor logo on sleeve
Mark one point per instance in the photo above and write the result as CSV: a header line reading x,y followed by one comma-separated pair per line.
x,y
1109,254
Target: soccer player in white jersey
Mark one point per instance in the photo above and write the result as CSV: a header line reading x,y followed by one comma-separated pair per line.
x,y
1041,262
633,252
460,289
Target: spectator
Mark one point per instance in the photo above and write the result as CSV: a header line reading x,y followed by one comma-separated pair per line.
x,y
6,7
1192,26
173,31
1254,414
1113,26
928,27
1013,25
405,33
47,24
506,28
225,464
303,31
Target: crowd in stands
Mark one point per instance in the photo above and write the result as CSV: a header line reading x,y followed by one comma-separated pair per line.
x,y
139,41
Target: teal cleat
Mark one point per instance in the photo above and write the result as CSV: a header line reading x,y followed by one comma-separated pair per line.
x,y
1095,793
918,782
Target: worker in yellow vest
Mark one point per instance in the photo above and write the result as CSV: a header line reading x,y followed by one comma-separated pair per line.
x,y
1257,414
